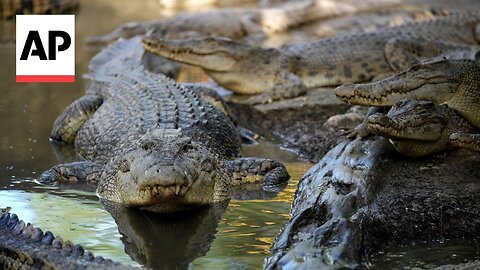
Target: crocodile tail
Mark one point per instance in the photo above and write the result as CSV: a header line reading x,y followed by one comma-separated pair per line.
x,y
23,243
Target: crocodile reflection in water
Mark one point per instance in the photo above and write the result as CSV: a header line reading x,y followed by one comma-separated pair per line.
x,y
166,241
169,241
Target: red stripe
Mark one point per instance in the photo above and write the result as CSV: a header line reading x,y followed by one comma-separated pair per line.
x,y
45,78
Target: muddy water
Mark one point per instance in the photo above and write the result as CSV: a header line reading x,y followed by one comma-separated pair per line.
x,y
244,233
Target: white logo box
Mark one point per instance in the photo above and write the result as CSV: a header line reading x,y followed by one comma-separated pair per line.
x,y
33,69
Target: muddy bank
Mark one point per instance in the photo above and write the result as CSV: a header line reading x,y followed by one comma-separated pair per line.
x,y
300,124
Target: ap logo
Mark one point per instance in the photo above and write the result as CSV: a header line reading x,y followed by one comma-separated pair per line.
x,y
45,49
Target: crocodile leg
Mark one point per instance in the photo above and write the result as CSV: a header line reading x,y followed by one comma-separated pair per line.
x,y
287,86
73,117
270,174
465,140
247,136
72,173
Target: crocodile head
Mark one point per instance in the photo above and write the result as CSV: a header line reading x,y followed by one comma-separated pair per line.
x,y
236,66
212,53
409,120
165,171
415,128
434,80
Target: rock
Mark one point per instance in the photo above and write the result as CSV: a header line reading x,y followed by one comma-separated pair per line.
x,y
363,197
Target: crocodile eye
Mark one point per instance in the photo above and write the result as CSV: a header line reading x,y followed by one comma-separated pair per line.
x,y
148,145
124,166
401,103
185,144
207,166
187,147
415,67
429,105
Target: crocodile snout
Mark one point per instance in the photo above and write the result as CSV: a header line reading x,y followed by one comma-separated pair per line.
x,y
345,92
379,119
359,94
165,182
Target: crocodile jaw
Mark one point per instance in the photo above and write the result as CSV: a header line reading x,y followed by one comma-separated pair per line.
x,y
165,190
416,127
391,90
432,80
164,172
209,53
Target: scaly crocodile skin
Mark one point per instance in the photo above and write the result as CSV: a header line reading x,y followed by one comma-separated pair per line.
x,y
419,128
9,8
22,246
452,82
151,143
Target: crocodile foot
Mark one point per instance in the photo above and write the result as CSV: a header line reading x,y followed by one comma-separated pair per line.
x,y
259,99
360,131
49,177
268,173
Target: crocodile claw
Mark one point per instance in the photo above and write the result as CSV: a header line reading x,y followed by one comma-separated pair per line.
x,y
259,99
276,179
48,177
360,131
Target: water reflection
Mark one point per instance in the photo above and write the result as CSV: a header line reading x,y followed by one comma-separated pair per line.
x,y
427,256
166,241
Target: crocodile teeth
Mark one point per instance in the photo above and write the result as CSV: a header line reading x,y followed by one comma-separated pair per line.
x,y
155,190
159,190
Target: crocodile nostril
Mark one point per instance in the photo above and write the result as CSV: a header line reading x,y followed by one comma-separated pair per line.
x,y
185,144
377,118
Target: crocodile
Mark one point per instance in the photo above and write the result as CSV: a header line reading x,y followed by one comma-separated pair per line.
x,y
420,128
150,143
276,73
9,8
23,246
440,80
248,24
